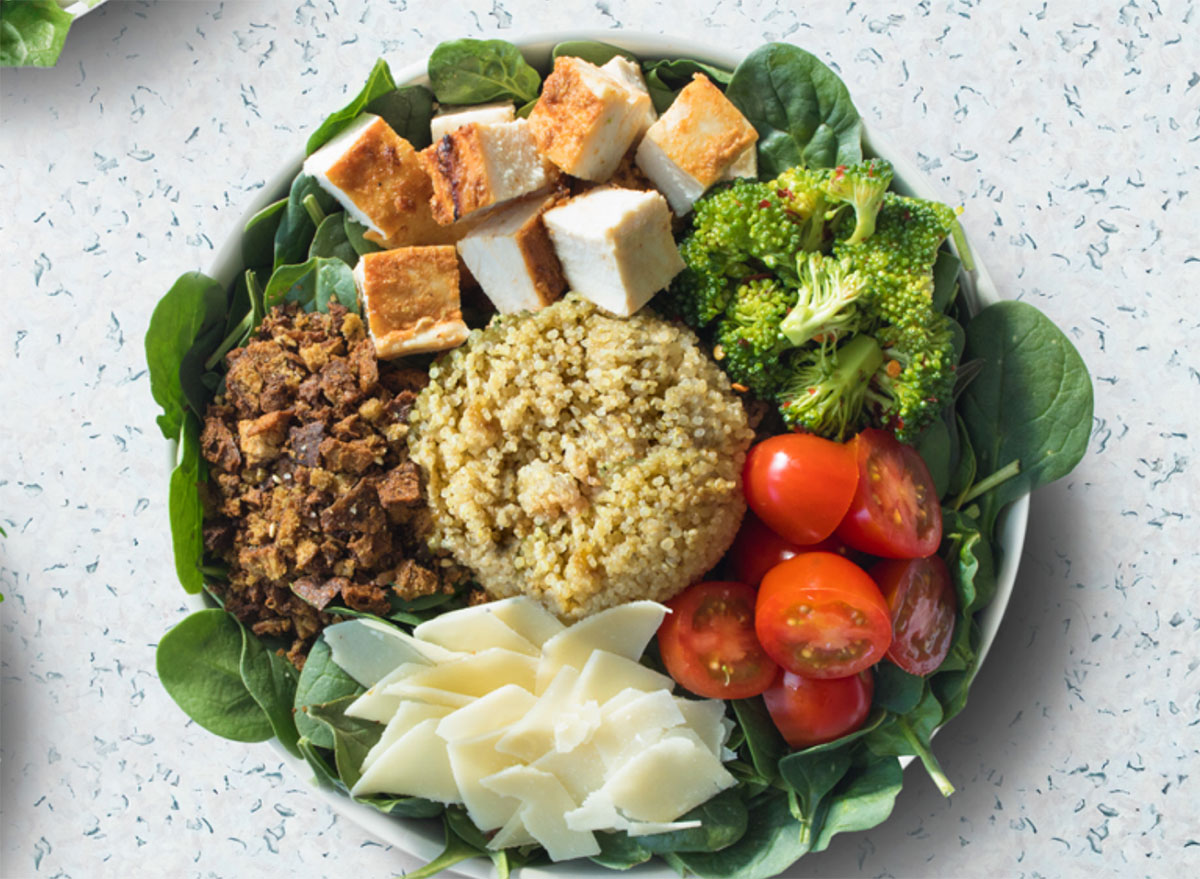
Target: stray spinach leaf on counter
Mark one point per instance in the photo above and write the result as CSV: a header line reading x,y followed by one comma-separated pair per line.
x,y
32,32
477,71
801,109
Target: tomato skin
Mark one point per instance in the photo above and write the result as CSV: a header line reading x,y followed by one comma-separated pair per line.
x,y
895,512
924,605
810,711
757,549
822,616
800,485
708,644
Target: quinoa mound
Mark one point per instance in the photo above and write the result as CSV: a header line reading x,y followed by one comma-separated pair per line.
x,y
583,459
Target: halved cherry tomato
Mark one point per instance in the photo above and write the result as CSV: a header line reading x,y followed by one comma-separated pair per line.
x,y
800,485
809,711
921,597
757,549
708,643
895,512
822,616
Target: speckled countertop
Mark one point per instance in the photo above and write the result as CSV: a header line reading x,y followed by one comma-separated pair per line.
x,y
1069,130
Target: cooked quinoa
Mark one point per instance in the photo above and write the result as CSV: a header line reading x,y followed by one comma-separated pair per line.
x,y
583,459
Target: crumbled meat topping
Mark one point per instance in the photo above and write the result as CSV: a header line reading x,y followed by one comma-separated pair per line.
x,y
312,500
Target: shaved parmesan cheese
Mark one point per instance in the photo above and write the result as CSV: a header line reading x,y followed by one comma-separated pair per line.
x,y
368,649
544,733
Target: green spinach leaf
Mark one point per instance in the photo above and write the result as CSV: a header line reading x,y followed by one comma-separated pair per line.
x,y
323,772
864,800
474,71
666,78
321,681
194,304
620,851
968,555
408,111
313,284
258,236
1031,402
198,662
332,241
353,737
354,235
296,228
32,32
723,821
935,447
802,111
379,82
763,741
771,844
909,733
184,510
271,681
457,849
945,279
592,51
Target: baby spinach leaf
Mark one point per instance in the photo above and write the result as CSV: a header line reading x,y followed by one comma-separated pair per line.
x,y
723,821
32,32
354,235
321,681
864,800
408,111
194,304
909,733
811,775
666,78
953,678
474,71
198,662
592,51
184,510
765,744
353,737
934,445
945,279
379,82
968,555
403,807
332,242
296,227
271,681
258,236
323,773
895,689
313,284
1031,402
620,851
963,474
802,111
770,845
457,849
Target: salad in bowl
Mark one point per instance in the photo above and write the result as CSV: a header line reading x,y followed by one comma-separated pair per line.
x,y
600,454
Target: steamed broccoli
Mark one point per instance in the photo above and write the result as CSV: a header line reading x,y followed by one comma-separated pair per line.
x,y
828,291
827,387
916,379
748,342
862,186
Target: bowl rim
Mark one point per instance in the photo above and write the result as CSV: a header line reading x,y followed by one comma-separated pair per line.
x,y
422,838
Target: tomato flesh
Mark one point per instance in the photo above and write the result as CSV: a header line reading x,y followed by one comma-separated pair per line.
x,y
822,616
810,711
800,485
895,512
708,643
923,604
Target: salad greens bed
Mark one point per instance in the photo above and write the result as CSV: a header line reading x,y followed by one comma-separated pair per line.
x,y
1022,421
32,32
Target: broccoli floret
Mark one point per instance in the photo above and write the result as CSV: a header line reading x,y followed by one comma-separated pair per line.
x,y
916,379
802,192
862,186
748,343
908,233
827,387
826,303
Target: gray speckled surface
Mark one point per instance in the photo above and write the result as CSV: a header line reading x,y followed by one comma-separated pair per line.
x,y
1071,133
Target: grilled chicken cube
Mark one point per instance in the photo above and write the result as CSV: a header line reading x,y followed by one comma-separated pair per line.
x,y
693,143
379,179
586,119
615,246
451,119
483,164
629,72
410,296
511,256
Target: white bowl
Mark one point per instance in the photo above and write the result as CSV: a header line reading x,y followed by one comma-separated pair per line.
x,y
424,838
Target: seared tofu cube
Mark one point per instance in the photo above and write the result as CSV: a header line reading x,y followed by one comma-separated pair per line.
x,y
410,296
511,256
692,145
615,246
745,165
451,119
629,72
585,119
379,179
483,164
